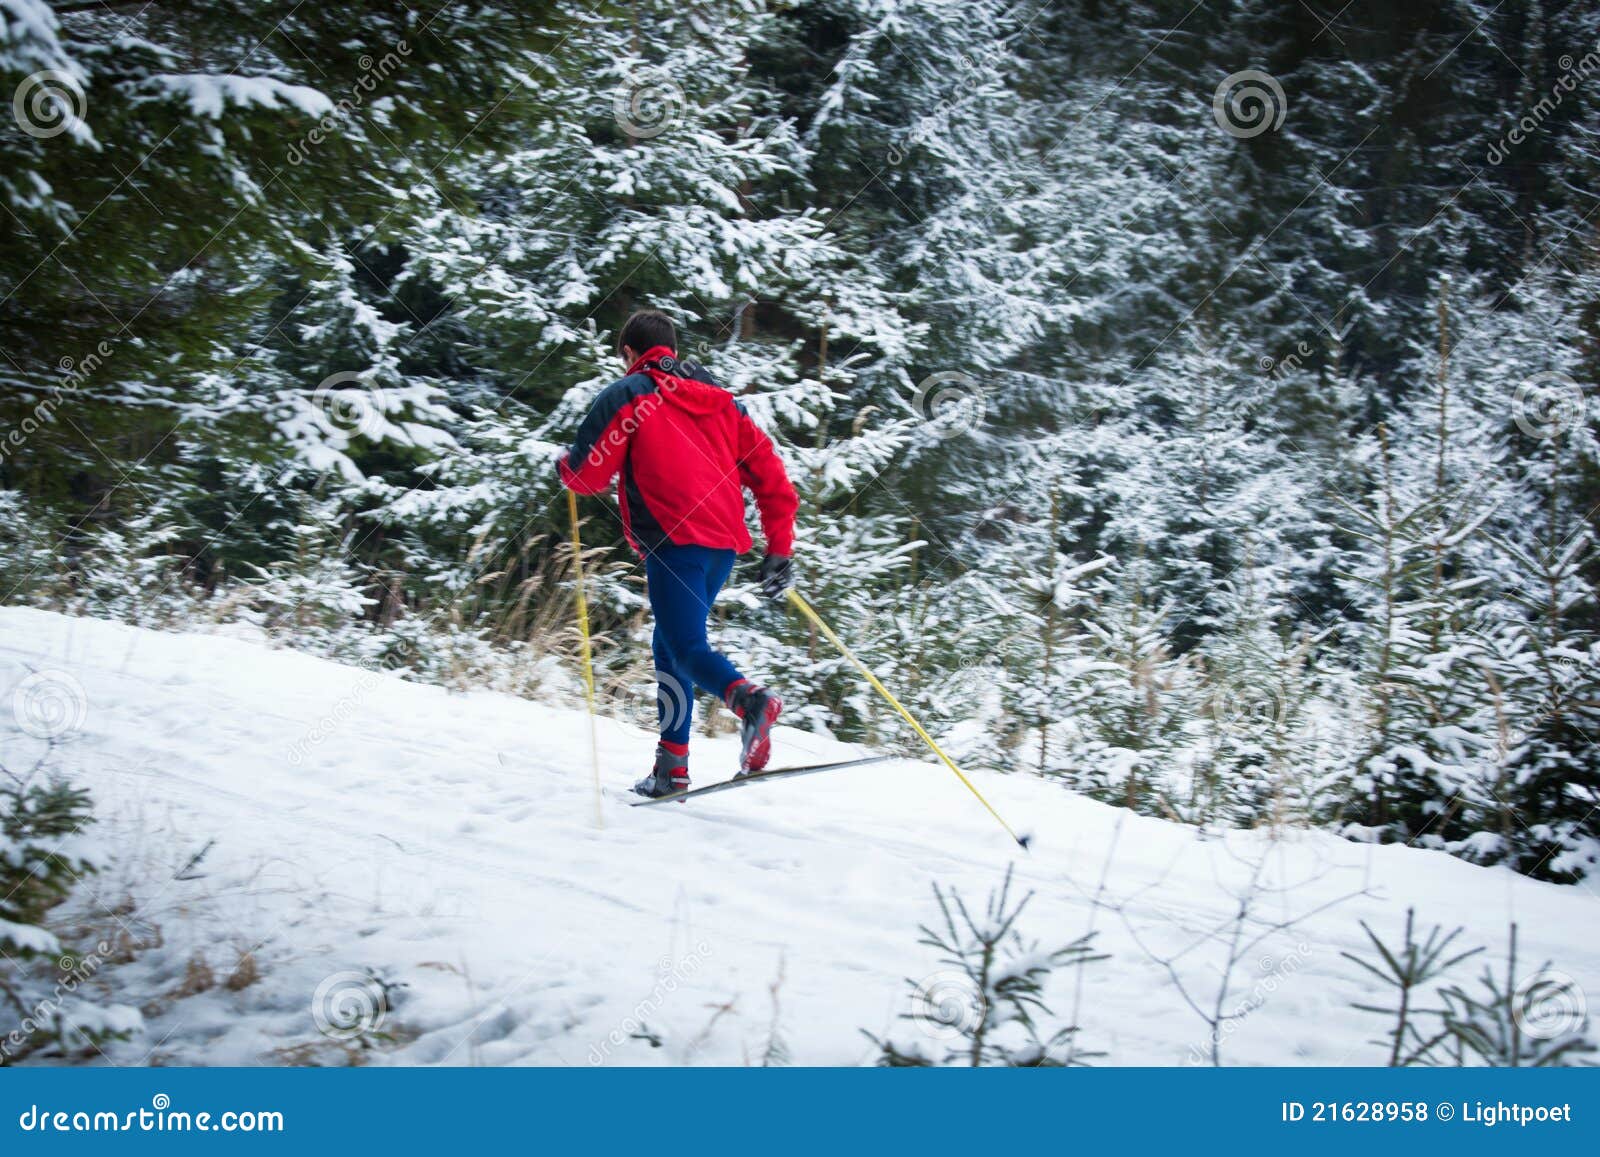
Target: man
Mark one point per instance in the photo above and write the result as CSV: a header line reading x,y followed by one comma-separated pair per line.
x,y
686,450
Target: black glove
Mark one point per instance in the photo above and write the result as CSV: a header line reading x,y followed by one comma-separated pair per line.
x,y
777,572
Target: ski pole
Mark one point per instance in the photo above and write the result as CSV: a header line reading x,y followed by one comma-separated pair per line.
x,y
805,609
588,657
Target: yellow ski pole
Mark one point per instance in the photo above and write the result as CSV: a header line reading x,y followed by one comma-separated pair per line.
x,y
805,609
588,657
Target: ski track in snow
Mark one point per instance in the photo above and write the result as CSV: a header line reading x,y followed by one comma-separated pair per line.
x,y
447,841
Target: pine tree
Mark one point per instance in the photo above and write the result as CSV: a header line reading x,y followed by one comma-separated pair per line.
x,y
989,1005
44,852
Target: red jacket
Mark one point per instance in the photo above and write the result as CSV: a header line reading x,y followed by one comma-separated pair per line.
x,y
687,450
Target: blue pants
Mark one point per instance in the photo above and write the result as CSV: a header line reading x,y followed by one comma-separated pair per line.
x,y
683,583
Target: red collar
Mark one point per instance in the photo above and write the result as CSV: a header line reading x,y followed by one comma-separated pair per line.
x,y
656,353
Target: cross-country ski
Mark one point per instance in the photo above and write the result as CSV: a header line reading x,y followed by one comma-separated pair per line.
x,y
748,778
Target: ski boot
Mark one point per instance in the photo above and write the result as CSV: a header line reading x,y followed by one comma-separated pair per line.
x,y
671,773
757,709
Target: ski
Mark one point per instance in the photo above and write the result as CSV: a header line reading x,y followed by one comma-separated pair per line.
x,y
757,777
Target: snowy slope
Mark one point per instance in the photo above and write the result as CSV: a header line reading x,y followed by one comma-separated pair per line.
x,y
448,842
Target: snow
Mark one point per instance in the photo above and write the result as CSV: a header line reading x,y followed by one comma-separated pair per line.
x,y
209,94
29,38
28,937
335,824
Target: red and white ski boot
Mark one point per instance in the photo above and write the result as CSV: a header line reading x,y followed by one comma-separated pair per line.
x,y
758,710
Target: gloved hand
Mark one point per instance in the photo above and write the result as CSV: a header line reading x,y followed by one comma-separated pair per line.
x,y
777,572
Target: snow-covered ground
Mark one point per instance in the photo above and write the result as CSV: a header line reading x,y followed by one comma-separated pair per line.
x,y
351,821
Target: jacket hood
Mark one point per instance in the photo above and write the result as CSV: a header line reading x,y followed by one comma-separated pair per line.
x,y
694,396
683,383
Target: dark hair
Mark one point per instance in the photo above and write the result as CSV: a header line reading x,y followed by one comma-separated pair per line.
x,y
648,328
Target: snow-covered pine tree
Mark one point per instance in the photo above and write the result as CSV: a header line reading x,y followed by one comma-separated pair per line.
x,y
162,156
1519,357
988,1006
1516,1019
45,851
1411,629
191,162
1131,701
